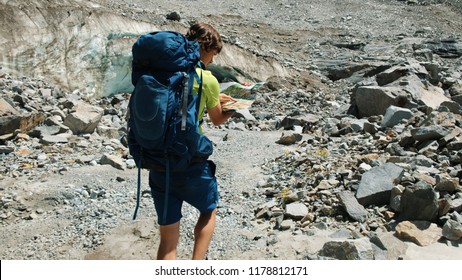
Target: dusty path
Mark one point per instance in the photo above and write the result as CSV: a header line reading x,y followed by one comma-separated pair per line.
x,y
238,160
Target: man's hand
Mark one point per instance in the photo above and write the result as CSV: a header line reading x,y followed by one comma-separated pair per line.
x,y
226,98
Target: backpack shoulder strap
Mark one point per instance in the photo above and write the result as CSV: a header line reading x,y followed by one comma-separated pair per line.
x,y
199,96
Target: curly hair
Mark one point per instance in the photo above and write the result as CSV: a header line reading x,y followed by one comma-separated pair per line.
x,y
207,36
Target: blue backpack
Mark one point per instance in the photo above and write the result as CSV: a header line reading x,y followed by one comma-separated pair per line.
x,y
163,126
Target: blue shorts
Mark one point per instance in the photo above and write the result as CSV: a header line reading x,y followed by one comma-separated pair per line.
x,y
197,186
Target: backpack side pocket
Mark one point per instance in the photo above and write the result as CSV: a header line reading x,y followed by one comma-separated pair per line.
x,y
151,101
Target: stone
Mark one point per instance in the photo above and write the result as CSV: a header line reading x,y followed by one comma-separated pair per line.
x,y
394,115
395,202
374,100
452,230
84,119
393,247
6,149
112,160
434,132
341,234
376,184
288,123
454,146
352,207
24,123
289,139
53,139
108,132
286,225
390,75
423,93
6,108
419,202
296,210
453,106
358,249
173,16
422,233
446,184
456,205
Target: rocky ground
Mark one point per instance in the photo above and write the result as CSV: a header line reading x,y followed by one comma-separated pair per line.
x,y
291,170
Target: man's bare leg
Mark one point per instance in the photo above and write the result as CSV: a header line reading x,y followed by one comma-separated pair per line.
x,y
203,233
169,236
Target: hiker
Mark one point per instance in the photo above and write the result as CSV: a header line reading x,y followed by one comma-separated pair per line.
x,y
197,185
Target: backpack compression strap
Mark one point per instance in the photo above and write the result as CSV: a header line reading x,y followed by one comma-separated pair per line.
x,y
184,106
138,191
186,87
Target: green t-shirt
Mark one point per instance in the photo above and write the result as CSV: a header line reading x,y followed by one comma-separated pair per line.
x,y
210,91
